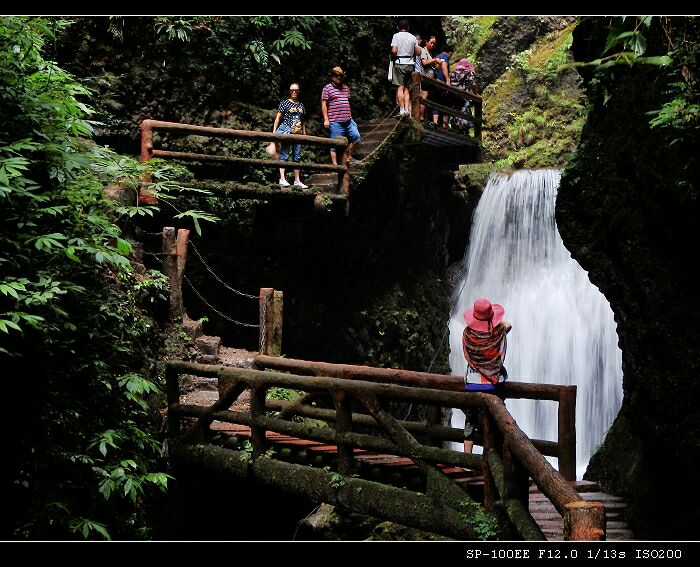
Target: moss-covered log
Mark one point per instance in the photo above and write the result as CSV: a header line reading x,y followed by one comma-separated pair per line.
x,y
516,510
352,494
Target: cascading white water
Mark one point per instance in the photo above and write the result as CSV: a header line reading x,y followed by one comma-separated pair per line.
x,y
563,328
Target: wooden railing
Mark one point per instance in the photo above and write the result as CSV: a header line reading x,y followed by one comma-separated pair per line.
x,y
564,449
340,143
510,458
417,101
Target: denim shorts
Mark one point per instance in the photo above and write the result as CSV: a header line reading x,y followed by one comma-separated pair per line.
x,y
347,128
285,148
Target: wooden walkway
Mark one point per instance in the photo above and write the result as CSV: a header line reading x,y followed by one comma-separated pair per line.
x,y
402,472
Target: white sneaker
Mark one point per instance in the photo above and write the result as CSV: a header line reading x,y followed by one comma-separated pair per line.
x,y
402,112
284,183
300,185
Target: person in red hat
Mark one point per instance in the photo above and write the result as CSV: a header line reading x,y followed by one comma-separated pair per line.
x,y
484,344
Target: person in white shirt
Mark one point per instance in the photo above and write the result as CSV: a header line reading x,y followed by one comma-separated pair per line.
x,y
403,52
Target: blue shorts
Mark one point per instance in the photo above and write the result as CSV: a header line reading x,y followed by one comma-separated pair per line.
x,y
347,128
285,148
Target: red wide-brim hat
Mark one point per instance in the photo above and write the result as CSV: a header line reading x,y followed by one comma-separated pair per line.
x,y
478,317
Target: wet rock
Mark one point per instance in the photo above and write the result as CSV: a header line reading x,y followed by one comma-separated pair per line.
x,y
208,345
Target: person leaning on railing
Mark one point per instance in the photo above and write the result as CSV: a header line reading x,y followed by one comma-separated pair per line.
x,y
463,78
484,344
442,74
429,64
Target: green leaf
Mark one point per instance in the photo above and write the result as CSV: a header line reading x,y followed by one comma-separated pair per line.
x,y
70,252
661,60
123,246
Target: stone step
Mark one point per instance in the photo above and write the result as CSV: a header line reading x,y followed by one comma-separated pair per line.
x,y
208,346
191,327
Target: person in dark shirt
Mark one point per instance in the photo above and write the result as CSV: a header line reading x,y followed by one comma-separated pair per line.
x,y
290,119
442,74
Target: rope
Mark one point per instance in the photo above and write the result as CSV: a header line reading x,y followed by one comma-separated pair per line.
x,y
385,141
217,278
387,137
214,309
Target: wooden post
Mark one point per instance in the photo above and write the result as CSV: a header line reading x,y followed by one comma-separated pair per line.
x,y
515,478
171,268
584,520
271,315
567,432
433,416
478,105
172,388
146,198
491,440
277,312
257,432
415,95
344,176
343,424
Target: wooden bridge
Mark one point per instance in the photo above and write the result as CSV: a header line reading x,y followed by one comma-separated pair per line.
x,y
365,460
333,181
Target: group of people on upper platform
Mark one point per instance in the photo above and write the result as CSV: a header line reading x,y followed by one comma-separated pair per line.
x,y
409,54
337,119
414,54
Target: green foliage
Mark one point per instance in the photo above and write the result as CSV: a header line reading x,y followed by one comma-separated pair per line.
x,y
468,34
75,318
337,480
628,40
544,60
485,524
534,112
283,394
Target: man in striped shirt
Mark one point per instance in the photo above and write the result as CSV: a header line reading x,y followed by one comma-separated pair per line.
x,y
335,104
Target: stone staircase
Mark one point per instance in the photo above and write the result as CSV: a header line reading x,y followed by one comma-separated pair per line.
x,y
552,524
208,348
373,133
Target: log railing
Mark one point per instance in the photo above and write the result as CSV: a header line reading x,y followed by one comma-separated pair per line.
x,y
417,101
510,457
564,449
148,150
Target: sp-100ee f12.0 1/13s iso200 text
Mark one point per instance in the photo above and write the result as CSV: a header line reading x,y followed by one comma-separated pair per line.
x,y
578,550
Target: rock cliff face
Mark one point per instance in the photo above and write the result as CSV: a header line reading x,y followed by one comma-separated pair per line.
x,y
628,210
509,36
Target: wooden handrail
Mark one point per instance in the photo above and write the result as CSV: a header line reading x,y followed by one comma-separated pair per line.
x,y
447,110
417,101
148,151
250,161
449,88
193,129
564,449
582,520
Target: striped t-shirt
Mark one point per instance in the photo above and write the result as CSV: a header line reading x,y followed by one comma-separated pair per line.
x,y
338,102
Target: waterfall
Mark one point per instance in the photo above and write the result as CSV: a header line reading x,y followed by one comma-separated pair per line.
x,y
563,328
